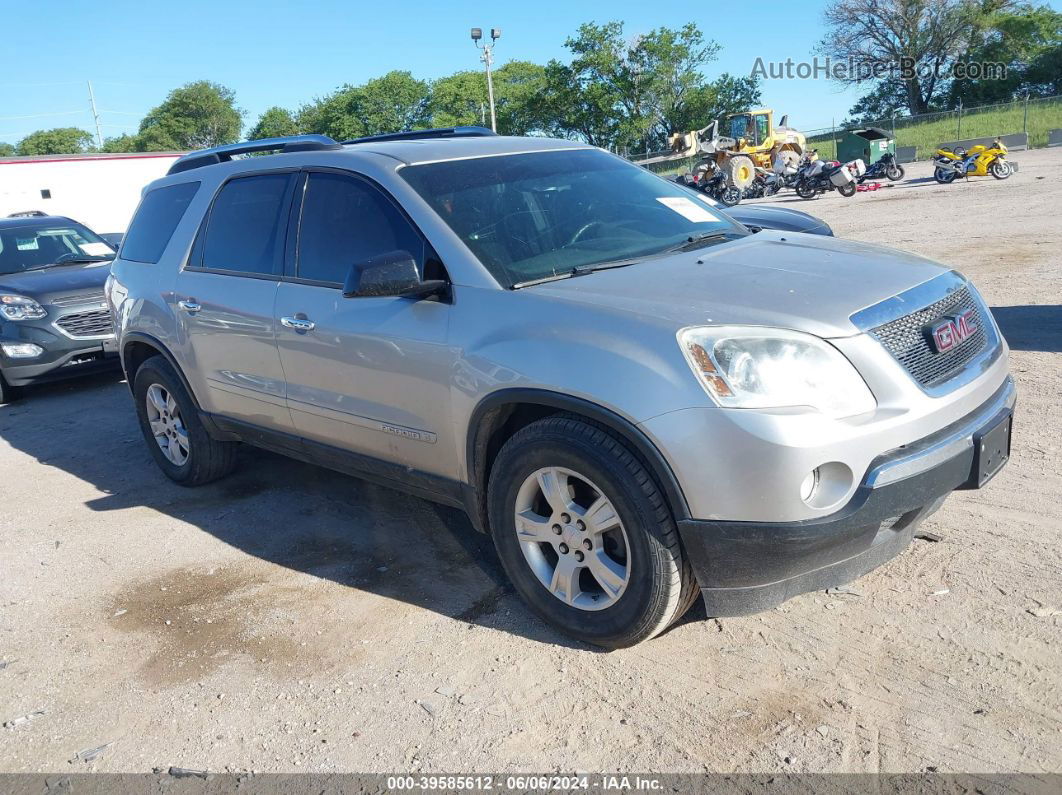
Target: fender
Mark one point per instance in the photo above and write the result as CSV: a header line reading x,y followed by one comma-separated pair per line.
x,y
147,339
624,428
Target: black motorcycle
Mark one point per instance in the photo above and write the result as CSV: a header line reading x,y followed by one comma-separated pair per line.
x,y
886,167
819,177
714,184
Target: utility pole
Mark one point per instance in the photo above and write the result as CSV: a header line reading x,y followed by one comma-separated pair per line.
x,y
488,59
96,116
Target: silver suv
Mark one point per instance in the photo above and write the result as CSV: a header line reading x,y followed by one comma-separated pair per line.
x,y
640,400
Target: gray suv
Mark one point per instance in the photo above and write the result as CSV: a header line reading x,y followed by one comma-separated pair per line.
x,y
638,399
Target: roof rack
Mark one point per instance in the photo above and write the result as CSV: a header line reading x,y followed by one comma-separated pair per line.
x,y
221,154
416,135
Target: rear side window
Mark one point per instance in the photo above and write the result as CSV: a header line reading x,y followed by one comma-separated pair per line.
x,y
346,221
247,223
158,215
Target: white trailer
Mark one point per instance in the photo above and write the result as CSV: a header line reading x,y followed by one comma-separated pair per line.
x,y
101,191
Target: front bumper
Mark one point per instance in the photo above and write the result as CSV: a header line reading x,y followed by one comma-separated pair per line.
x,y
62,357
746,567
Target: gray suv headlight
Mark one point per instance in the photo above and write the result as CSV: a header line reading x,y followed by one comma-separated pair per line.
x,y
753,367
19,307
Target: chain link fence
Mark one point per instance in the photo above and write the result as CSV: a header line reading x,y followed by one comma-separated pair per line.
x,y
927,131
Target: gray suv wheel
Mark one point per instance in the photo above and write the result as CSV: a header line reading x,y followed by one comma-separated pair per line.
x,y
169,420
614,575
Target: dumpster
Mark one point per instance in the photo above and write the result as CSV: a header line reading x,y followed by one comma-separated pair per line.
x,y
868,145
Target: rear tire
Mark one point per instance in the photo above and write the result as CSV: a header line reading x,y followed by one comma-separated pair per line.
x,y
945,176
177,438
848,191
619,579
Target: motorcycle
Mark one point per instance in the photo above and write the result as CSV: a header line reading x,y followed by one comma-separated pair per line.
x,y
712,180
978,161
885,167
820,176
765,183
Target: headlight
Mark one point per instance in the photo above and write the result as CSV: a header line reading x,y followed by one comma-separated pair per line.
x,y
18,307
755,368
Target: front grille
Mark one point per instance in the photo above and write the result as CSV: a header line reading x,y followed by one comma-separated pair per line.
x,y
905,339
79,299
86,324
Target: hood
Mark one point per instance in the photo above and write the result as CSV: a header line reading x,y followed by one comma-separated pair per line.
x,y
57,281
808,283
781,218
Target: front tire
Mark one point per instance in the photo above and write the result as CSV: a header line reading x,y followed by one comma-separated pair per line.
x,y
177,438
894,173
1000,169
615,574
805,189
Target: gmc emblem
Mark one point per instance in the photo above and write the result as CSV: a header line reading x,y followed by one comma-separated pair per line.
x,y
951,330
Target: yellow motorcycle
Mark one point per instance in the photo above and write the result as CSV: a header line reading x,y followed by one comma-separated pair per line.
x,y
979,161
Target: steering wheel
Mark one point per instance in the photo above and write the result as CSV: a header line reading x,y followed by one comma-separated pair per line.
x,y
583,230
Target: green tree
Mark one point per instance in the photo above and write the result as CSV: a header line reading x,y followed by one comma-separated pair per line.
x,y
274,123
58,141
121,143
397,101
461,98
633,94
196,116
881,36
6,149
1027,40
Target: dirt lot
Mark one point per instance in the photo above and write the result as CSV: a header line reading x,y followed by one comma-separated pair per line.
x,y
292,619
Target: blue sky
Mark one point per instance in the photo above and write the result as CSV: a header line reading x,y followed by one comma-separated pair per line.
x,y
286,53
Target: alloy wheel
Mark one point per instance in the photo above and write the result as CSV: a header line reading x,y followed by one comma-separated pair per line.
x,y
164,417
572,538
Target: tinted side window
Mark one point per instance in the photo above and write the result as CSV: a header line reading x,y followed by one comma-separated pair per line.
x,y
347,221
245,231
158,215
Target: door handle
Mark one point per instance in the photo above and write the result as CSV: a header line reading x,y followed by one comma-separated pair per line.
x,y
191,305
300,324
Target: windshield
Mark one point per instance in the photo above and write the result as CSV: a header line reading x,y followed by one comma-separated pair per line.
x,y
533,216
37,246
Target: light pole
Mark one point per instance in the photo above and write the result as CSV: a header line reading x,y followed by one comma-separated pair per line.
x,y
488,59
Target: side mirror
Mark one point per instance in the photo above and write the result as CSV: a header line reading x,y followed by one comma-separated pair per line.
x,y
392,274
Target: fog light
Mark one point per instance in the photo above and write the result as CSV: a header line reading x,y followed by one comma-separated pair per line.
x,y
811,482
22,350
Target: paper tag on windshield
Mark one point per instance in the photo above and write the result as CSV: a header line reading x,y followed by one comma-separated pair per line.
x,y
27,243
688,209
96,249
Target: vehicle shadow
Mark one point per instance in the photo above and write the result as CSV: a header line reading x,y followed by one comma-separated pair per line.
x,y
1032,327
292,514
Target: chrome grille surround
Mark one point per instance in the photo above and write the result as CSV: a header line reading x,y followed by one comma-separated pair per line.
x,y
898,323
906,340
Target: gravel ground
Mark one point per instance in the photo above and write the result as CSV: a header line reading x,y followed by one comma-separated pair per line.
x,y
292,619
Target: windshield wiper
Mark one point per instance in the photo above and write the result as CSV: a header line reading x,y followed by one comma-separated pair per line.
x,y
71,259
697,241
578,270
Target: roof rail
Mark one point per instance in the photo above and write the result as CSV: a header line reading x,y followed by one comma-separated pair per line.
x,y
416,135
221,154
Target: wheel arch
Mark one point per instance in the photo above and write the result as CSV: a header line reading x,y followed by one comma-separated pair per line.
x,y
501,414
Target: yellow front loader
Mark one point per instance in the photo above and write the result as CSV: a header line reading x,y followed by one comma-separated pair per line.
x,y
752,140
